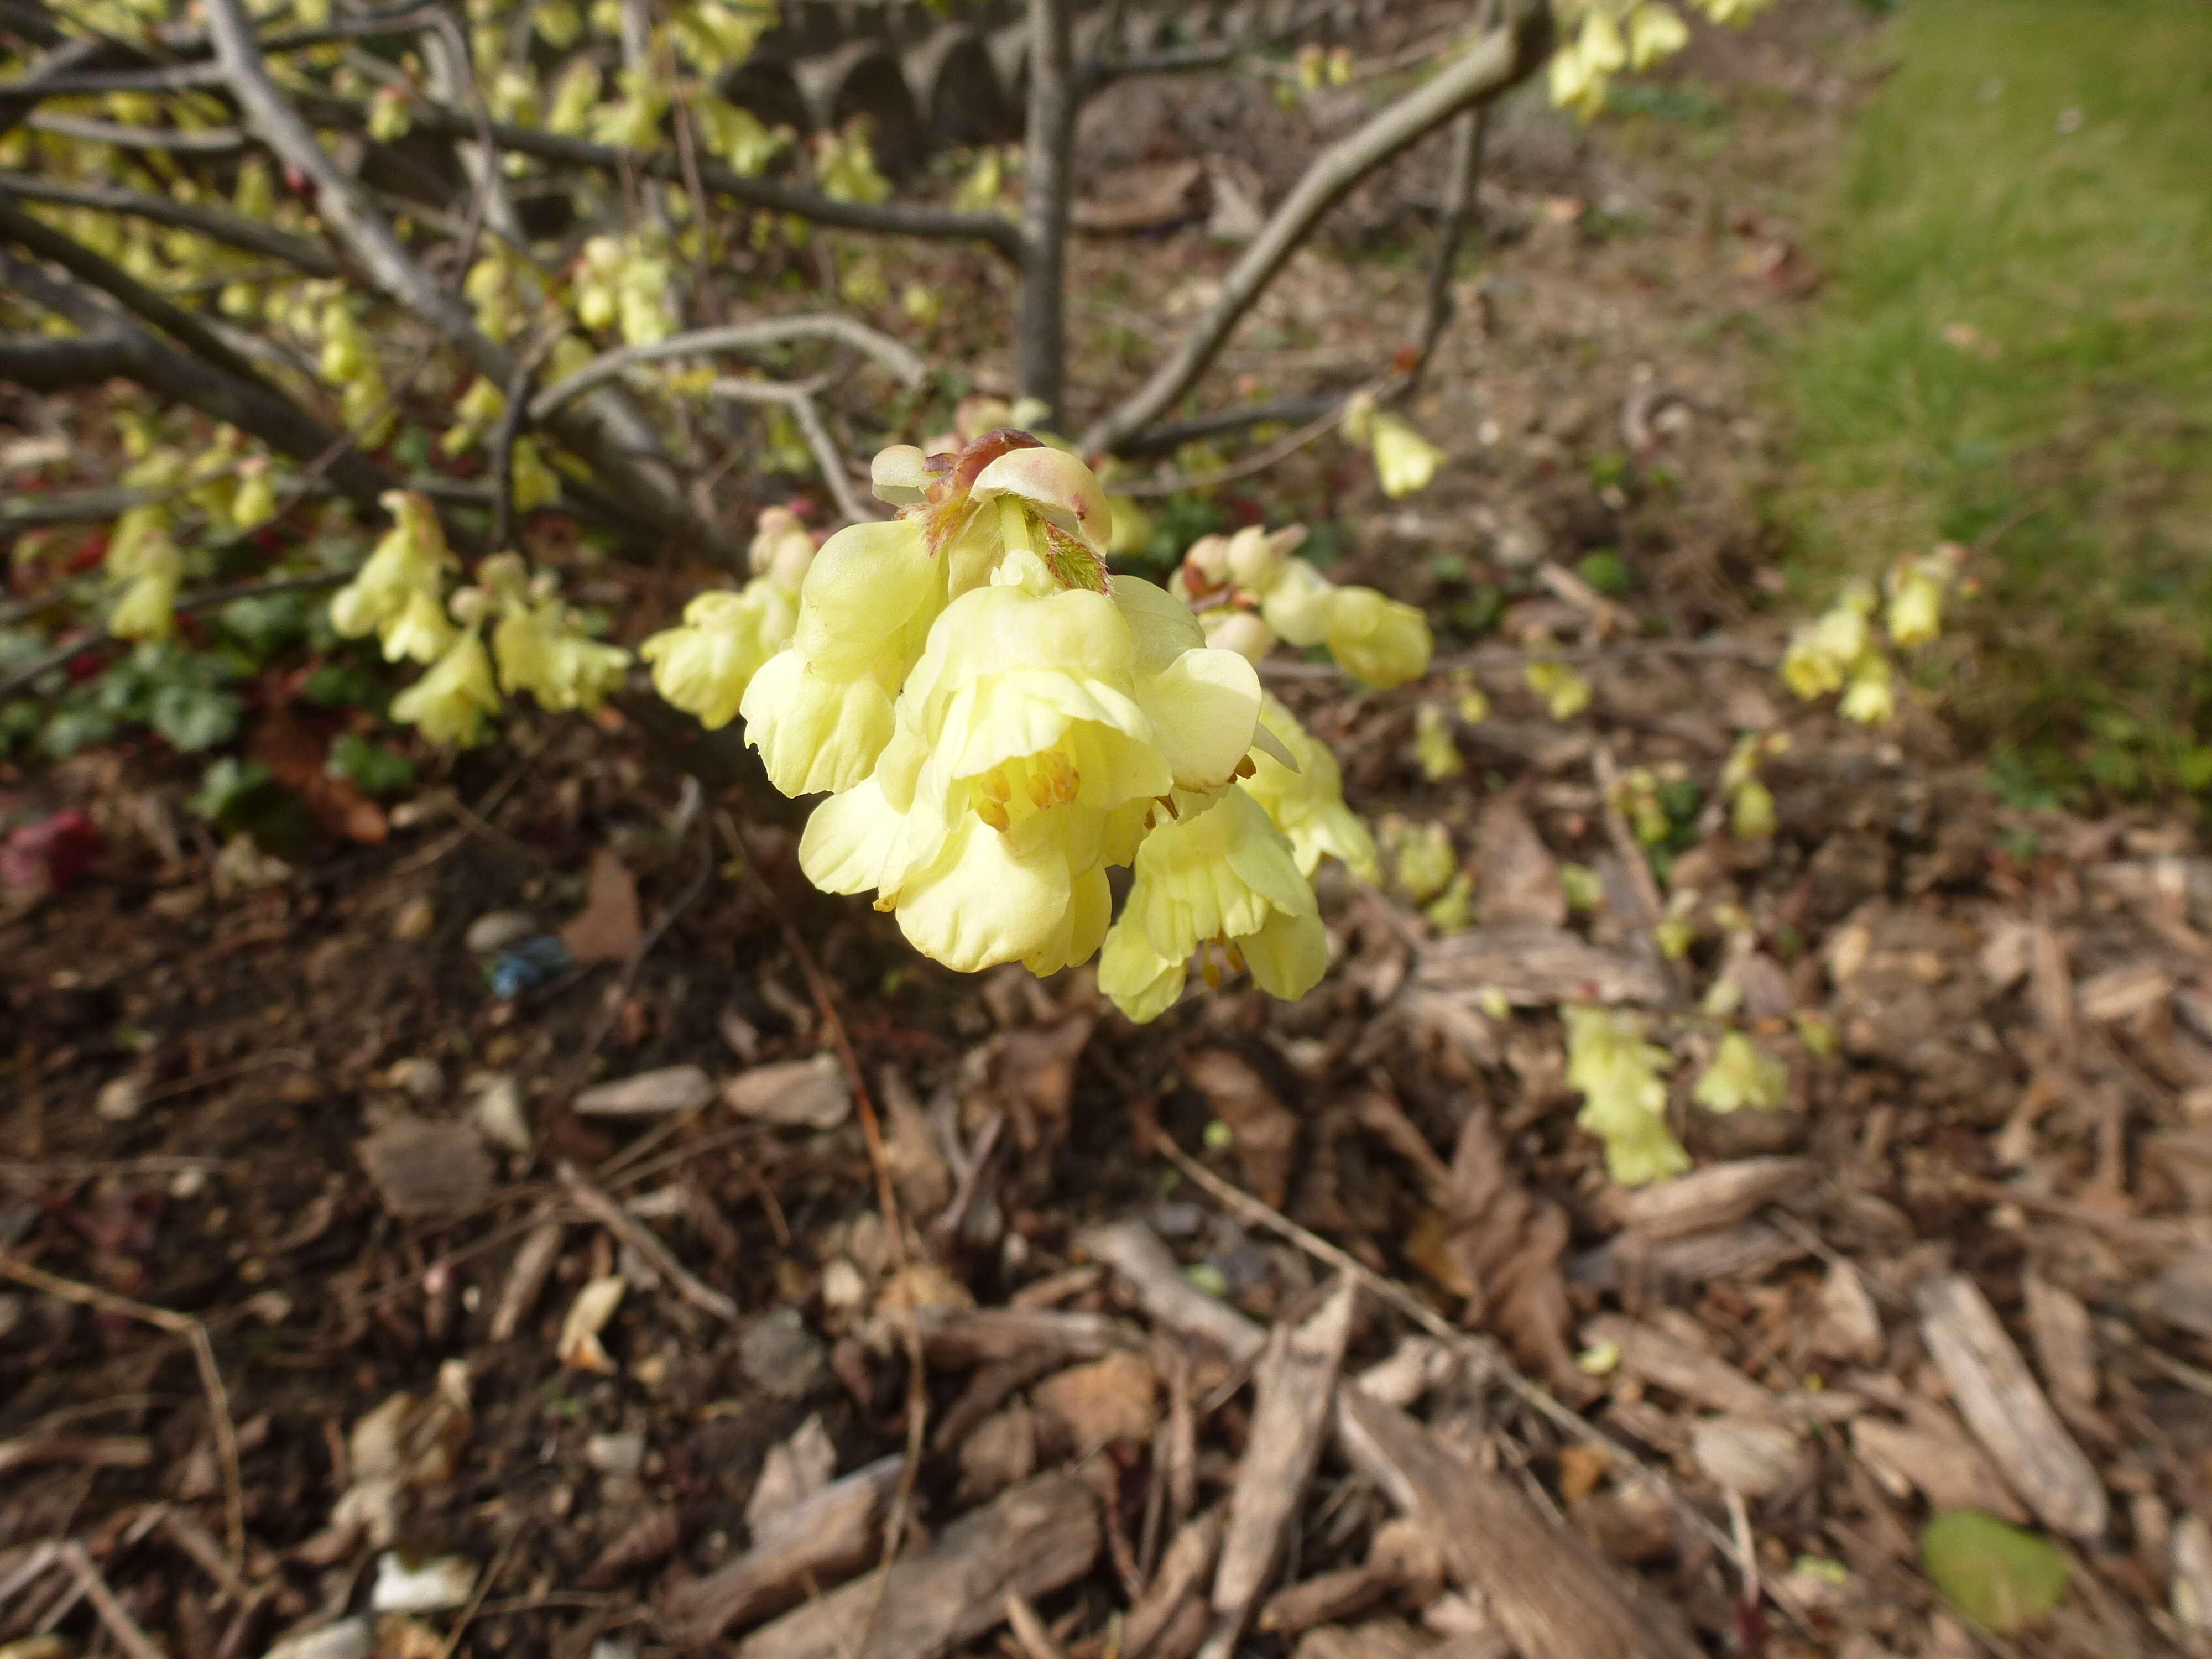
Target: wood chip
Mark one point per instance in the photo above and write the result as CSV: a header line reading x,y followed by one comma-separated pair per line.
x,y
1109,1402
2000,1401
1850,1325
2059,1325
1035,1538
793,1094
422,1168
1405,1556
1292,1386
649,1094
955,1338
1188,1558
1949,1470
1552,1595
1718,1195
526,1281
794,1469
579,1348
2123,993
1747,1455
1699,1378
827,1535
1516,877
1538,967
2182,1294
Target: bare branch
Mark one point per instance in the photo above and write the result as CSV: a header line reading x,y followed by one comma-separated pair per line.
x,y
232,229
1493,62
610,437
894,357
200,140
1040,337
886,219
1461,213
799,400
35,236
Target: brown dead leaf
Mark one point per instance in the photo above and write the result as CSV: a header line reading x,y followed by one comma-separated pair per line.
x,y
608,927
1507,1244
1109,1401
422,1168
1582,1467
1516,877
299,760
1032,1071
1266,1130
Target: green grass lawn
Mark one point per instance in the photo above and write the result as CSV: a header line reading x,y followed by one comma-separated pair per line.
x,y
2013,350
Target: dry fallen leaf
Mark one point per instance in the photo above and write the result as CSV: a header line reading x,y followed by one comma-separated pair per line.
x,y
588,1313
608,927
424,1168
1266,1130
299,760
1516,877
1109,1401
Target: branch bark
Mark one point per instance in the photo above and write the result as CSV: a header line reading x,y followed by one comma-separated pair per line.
x,y
613,439
35,236
799,400
1461,213
231,229
897,359
1494,61
1041,340
200,140
1002,235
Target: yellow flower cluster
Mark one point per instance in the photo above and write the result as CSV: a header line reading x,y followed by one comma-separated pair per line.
x,y
1600,38
1625,1097
1251,593
140,552
999,724
1839,651
619,280
538,643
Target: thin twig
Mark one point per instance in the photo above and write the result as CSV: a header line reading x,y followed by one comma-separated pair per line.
x,y
1494,61
1281,450
232,229
798,400
642,1239
193,1331
1513,657
199,141
895,358
453,1642
120,1624
1462,211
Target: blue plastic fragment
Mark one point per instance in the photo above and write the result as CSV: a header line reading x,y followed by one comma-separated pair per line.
x,y
528,965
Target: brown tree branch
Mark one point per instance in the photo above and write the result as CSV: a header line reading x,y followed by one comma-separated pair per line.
x,y
1494,61
36,236
898,359
1041,331
232,229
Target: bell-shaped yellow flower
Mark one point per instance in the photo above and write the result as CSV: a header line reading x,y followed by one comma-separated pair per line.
x,y
476,413
539,649
1871,697
1382,641
1222,877
1655,31
1405,461
395,592
1624,1099
1306,802
1241,631
1741,1076
255,503
450,702
704,666
1434,745
536,484
147,610
1423,860
819,711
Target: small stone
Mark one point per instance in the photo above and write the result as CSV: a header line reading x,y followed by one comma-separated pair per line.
x,y
649,1094
419,1076
119,1100
499,1114
188,1183
494,930
844,1287
425,1587
799,1094
779,1355
414,921
1740,1454
1109,1401
620,1454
